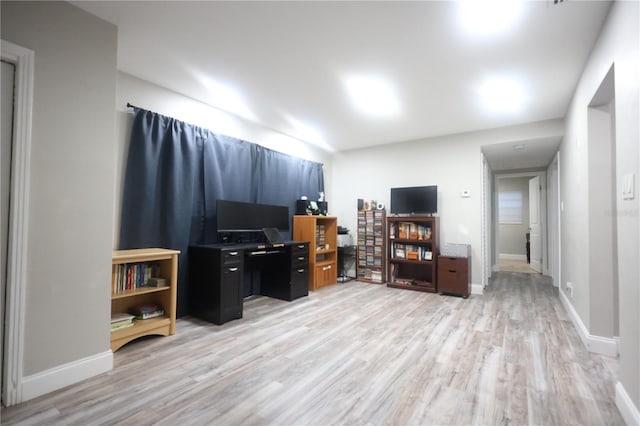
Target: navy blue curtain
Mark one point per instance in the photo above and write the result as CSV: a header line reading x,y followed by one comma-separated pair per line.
x,y
281,179
175,173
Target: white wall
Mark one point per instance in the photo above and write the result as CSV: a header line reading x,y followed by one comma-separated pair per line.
x,y
618,45
149,96
72,170
512,236
452,162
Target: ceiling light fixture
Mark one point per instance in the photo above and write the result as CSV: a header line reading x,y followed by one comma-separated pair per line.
x,y
502,95
488,16
372,95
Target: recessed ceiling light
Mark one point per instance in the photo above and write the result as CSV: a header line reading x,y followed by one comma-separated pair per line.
x,y
502,94
372,95
488,16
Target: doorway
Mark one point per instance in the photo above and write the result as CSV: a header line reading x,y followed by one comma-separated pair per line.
x,y
7,89
14,279
603,226
520,225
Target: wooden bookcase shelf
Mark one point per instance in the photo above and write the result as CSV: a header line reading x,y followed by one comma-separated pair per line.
x,y
371,251
165,265
412,253
322,234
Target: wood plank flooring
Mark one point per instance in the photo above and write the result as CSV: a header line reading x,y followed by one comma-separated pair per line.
x,y
355,354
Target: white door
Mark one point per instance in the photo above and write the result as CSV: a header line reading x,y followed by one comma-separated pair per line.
x,y
534,224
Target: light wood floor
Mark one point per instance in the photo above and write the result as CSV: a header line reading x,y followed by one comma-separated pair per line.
x,y
355,353
515,265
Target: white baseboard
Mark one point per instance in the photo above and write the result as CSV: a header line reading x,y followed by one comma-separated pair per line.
x,y
477,289
508,256
64,375
627,408
596,344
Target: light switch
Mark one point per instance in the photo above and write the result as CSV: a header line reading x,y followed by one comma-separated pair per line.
x,y
465,194
628,186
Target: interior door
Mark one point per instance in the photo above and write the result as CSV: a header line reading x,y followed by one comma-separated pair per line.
x,y
534,224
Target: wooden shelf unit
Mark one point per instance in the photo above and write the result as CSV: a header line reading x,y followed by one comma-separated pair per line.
x,y
165,296
322,234
371,262
412,253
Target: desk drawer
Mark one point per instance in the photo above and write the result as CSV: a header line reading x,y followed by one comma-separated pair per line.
x,y
300,260
298,248
299,255
453,275
453,263
231,257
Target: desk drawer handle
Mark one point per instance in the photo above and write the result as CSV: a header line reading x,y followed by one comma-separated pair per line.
x,y
233,253
233,269
452,270
300,270
301,258
301,246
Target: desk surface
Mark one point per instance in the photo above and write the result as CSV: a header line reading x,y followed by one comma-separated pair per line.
x,y
249,246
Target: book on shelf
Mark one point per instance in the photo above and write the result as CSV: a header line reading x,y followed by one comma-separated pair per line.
x,y
142,312
121,320
129,276
121,317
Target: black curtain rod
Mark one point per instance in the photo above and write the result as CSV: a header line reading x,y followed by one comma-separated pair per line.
x,y
131,106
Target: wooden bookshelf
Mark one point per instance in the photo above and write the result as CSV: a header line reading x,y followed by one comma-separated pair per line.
x,y
127,292
322,234
413,252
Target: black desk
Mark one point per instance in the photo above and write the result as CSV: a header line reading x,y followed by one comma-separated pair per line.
x,y
222,275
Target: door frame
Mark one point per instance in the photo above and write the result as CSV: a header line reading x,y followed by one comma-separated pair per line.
x,y
542,174
16,284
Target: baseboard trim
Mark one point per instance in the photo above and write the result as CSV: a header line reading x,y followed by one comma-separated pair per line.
x,y
477,289
508,256
64,375
600,345
625,405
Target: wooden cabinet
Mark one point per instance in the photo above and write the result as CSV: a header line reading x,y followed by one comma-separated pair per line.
x,y
322,234
129,288
454,275
412,252
371,252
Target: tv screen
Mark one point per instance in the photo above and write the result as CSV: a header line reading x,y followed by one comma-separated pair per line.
x,y
414,200
236,216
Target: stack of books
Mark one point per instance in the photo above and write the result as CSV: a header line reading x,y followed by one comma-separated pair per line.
x,y
142,312
120,321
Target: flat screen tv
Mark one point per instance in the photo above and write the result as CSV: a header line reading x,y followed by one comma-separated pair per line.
x,y
237,216
414,200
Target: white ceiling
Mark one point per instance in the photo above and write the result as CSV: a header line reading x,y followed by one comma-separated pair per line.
x,y
288,61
